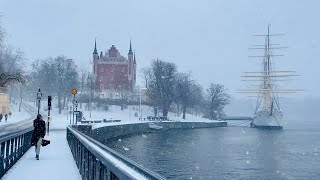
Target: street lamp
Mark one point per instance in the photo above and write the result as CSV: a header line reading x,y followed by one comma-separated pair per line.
x,y
39,95
140,105
140,108
76,105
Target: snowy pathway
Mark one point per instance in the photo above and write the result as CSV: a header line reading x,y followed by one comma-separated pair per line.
x,y
56,162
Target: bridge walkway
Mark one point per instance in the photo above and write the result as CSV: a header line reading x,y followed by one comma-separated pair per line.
x,y
56,162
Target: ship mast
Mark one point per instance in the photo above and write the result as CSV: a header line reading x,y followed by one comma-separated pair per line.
x,y
266,78
268,90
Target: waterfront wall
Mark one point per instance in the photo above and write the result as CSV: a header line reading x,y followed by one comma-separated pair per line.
x,y
190,125
105,133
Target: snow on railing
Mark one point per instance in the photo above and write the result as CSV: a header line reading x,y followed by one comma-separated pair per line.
x,y
97,161
15,140
13,146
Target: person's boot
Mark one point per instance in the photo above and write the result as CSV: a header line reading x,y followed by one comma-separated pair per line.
x,y
37,157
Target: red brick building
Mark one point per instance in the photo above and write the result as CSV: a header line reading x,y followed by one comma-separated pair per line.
x,y
114,74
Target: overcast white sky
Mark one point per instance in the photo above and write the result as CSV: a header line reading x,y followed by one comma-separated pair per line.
x,y
208,37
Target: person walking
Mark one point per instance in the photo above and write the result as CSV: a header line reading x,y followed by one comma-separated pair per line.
x,y
6,117
38,134
1,117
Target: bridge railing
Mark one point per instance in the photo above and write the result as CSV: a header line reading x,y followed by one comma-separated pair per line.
x,y
93,163
13,147
15,140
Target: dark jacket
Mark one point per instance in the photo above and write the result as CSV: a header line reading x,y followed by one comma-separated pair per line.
x,y
39,130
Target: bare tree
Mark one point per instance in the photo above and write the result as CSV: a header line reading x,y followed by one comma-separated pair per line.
x,y
67,79
2,35
83,81
11,61
188,93
217,98
146,74
10,66
91,85
196,95
161,78
55,76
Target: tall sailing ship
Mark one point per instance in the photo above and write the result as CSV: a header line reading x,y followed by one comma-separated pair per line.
x,y
268,114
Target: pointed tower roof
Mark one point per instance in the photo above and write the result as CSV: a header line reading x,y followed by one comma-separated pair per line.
x,y
130,50
95,47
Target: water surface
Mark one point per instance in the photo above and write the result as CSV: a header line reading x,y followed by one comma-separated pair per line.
x,y
229,153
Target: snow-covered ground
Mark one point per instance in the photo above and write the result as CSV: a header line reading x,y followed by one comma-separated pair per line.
x,y
56,161
15,115
129,115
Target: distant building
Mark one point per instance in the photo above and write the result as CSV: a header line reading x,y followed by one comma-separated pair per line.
x,y
4,101
114,74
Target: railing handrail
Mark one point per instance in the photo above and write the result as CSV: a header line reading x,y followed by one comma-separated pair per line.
x,y
137,167
18,128
8,136
15,141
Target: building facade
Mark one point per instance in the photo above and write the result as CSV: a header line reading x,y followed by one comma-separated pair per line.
x,y
114,74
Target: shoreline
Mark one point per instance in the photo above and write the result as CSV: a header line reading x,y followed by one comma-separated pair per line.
x,y
116,130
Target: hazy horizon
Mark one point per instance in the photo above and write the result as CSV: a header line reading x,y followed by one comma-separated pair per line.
x,y
209,38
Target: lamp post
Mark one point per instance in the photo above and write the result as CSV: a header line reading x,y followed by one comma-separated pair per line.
x,y
70,112
140,105
39,95
74,99
76,105
73,92
90,96
49,108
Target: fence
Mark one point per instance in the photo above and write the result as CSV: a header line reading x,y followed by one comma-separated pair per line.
x,y
15,140
93,164
13,147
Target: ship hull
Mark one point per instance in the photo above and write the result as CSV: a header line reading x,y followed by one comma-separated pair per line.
x,y
252,125
266,120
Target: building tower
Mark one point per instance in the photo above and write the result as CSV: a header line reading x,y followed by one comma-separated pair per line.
x,y
134,71
130,66
95,58
95,52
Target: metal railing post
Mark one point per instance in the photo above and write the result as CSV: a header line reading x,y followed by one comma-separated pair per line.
x,y
92,164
